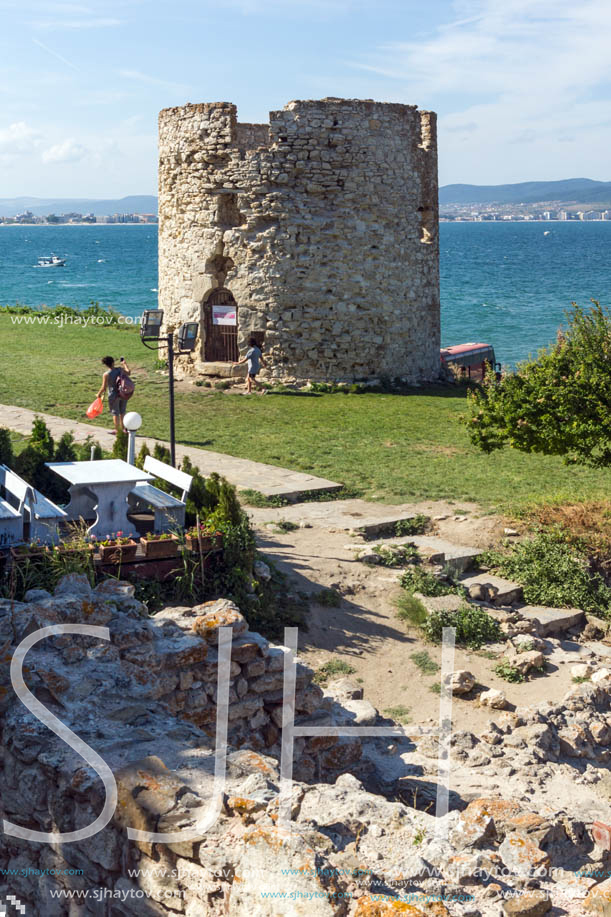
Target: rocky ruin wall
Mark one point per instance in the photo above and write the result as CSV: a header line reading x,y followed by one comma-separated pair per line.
x,y
323,225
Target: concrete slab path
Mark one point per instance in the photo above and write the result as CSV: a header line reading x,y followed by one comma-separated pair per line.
x,y
267,479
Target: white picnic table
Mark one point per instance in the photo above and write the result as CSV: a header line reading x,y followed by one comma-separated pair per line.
x,y
101,487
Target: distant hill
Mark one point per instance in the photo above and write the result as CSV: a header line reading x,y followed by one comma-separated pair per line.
x,y
580,190
40,207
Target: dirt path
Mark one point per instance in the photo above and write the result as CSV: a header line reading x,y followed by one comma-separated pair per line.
x,y
365,632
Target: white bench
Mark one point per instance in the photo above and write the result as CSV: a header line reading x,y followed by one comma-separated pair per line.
x,y
169,512
11,525
41,516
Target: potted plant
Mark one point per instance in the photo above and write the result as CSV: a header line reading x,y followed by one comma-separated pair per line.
x,y
33,550
117,548
158,546
210,540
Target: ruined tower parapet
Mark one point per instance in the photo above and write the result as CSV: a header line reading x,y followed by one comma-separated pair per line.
x,y
319,230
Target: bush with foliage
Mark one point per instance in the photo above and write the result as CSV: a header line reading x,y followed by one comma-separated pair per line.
x,y
553,572
415,579
558,404
6,447
474,626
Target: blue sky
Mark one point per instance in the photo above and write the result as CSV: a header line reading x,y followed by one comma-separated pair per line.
x,y
522,87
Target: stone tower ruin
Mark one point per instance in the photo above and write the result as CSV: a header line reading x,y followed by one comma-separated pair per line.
x,y
317,234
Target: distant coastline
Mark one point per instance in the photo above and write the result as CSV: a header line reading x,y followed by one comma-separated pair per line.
x,y
68,225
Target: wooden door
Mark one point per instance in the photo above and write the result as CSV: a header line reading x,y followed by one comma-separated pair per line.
x,y
221,343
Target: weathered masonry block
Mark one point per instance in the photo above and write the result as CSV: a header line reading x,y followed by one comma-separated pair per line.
x,y
318,232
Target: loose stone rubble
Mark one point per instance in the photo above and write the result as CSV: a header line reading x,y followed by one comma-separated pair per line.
x,y
366,842
319,227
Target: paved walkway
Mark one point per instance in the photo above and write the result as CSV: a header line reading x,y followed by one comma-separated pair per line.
x,y
267,479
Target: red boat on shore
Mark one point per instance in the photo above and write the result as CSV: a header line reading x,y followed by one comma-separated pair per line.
x,y
471,360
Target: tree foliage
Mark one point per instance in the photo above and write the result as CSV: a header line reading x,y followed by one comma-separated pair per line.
x,y
557,404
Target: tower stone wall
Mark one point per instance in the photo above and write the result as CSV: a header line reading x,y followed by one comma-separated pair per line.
x,y
323,227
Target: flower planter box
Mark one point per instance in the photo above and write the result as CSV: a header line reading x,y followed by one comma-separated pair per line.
x,y
208,542
23,552
117,553
81,549
157,549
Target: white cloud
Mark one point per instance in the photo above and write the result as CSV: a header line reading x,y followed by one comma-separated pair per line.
x,y
75,24
136,76
512,72
18,139
68,151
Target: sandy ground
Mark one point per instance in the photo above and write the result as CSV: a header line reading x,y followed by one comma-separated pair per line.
x,y
365,631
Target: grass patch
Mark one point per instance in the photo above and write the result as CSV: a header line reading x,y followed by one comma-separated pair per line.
x,y
411,610
554,572
283,526
474,626
424,662
331,669
339,437
329,598
256,498
435,687
400,714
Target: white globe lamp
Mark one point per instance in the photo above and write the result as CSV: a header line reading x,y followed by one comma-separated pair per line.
x,y
132,422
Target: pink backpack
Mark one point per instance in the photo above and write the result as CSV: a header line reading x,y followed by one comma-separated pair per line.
x,y
124,387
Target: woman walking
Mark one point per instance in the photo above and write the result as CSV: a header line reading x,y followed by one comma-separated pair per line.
x,y
116,405
255,361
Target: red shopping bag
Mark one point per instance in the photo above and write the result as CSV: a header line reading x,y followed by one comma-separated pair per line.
x,y
95,408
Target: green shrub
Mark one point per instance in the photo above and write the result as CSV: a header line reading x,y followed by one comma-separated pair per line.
x,y
553,573
414,526
395,555
328,598
41,439
474,626
83,450
415,579
6,447
142,455
119,447
509,672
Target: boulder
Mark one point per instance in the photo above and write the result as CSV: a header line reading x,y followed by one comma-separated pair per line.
x,y
493,698
582,670
600,675
462,682
527,904
213,615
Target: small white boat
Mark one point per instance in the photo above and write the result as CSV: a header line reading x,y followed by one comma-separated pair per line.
x,y
51,261
547,232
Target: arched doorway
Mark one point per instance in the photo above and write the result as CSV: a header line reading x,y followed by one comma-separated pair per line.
x,y
221,328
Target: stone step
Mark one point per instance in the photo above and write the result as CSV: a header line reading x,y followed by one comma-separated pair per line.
x,y
353,516
457,558
551,620
507,592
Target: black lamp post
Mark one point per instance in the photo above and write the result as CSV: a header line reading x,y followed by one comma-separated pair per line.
x,y
150,330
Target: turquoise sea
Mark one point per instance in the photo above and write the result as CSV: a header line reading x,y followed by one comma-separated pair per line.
x,y
502,283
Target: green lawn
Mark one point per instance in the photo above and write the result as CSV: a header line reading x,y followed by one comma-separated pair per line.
x,y
389,447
